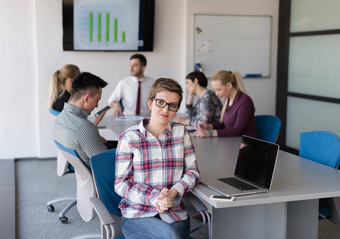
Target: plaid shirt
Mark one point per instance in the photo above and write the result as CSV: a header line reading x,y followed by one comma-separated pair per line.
x,y
146,164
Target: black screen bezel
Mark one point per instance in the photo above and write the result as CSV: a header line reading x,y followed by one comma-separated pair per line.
x,y
146,26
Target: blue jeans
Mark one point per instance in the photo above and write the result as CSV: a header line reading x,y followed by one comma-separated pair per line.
x,y
154,228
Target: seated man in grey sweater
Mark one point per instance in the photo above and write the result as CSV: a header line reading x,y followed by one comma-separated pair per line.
x,y
72,129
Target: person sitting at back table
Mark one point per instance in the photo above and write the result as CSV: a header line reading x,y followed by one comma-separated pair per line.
x,y
61,86
155,167
237,116
72,129
208,107
130,89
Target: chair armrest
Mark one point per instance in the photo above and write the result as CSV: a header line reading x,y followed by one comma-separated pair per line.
x,y
197,203
103,214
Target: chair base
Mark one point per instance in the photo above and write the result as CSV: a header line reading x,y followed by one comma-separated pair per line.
x,y
205,217
62,217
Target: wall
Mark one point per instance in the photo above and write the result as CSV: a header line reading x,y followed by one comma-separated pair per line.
x,y
31,50
166,59
262,91
19,108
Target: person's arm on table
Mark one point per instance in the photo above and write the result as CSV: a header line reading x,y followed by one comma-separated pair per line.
x,y
117,108
114,99
205,130
190,112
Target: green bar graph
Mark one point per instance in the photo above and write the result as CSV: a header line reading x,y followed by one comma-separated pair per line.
x,y
107,26
107,21
123,36
115,30
91,26
99,26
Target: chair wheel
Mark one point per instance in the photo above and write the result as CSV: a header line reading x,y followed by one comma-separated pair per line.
x,y
50,208
63,219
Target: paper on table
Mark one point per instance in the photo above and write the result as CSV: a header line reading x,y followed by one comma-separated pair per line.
x,y
108,134
129,118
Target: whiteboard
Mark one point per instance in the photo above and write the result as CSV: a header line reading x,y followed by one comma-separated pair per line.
x,y
231,42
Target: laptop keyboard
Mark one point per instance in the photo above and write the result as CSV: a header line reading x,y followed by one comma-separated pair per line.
x,y
237,184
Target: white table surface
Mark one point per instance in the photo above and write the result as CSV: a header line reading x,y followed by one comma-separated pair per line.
x,y
291,204
116,127
289,210
295,178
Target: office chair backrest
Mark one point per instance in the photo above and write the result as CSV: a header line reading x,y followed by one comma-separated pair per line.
x,y
63,167
54,112
321,146
267,127
85,185
103,169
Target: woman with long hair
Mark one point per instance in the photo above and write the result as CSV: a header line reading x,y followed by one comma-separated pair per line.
x,y
61,86
237,116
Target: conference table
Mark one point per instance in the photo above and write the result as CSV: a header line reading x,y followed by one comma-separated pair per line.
x,y
116,126
288,211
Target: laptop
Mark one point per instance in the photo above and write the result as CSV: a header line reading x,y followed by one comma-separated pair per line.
x,y
254,170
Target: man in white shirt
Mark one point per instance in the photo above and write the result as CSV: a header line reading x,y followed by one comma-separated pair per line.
x,y
127,90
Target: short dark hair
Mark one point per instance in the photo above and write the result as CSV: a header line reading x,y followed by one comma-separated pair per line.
x,y
201,78
86,82
141,58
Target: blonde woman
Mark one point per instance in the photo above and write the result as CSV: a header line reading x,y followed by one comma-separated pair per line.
x,y
61,86
237,116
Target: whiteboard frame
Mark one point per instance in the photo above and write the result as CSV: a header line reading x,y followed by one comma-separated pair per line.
x,y
234,15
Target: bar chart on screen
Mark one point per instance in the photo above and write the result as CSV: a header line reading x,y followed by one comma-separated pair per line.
x,y
105,24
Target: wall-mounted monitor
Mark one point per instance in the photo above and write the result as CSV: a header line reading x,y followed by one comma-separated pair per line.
x,y
108,25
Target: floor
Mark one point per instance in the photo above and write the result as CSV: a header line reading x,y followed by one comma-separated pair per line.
x,y
7,199
327,230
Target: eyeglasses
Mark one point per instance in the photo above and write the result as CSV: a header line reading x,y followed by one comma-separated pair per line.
x,y
162,103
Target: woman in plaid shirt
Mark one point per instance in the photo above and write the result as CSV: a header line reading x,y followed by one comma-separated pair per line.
x,y
155,167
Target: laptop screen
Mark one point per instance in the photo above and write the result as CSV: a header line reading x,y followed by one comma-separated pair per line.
x,y
256,161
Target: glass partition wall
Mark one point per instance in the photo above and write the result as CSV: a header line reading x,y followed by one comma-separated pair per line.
x,y
308,74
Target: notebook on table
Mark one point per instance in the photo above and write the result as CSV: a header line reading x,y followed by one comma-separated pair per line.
x,y
254,169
